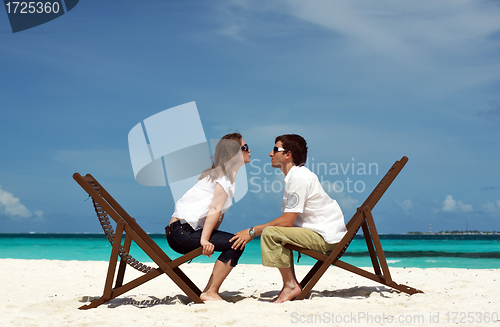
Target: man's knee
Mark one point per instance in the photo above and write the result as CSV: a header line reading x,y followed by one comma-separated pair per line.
x,y
268,231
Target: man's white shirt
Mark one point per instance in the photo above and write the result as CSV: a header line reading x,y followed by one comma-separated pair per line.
x,y
316,210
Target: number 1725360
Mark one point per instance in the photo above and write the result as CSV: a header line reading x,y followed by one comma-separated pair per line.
x,y
472,317
32,7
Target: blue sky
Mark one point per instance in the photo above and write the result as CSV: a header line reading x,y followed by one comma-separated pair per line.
x,y
364,82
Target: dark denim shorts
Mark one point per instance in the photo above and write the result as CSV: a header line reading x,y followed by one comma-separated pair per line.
x,y
182,238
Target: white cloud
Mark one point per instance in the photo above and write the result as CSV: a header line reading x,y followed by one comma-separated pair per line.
x,y
491,207
347,204
422,40
394,25
450,205
12,206
395,28
39,215
406,206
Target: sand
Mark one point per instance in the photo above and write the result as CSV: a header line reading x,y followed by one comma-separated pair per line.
x,y
49,292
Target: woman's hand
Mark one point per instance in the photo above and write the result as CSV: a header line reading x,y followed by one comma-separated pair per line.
x,y
208,248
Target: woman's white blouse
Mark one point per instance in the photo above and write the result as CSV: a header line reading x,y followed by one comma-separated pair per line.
x,y
195,203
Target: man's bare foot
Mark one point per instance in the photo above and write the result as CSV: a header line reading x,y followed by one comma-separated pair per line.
x,y
207,296
288,293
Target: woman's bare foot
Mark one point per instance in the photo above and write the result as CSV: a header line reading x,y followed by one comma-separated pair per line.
x,y
208,296
220,272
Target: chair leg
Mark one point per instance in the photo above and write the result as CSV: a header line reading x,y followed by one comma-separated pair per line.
x,y
378,245
320,270
183,282
123,262
310,274
124,288
187,281
93,304
113,260
376,278
371,249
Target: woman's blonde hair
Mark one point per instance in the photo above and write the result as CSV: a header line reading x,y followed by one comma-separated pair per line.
x,y
225,158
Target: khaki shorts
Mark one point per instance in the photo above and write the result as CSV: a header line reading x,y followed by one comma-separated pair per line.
x,y
274,238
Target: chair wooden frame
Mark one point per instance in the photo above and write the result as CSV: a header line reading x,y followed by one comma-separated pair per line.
x,y
362,219
127,230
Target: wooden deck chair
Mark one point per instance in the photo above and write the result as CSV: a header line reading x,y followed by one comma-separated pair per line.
x,y
362,219
105,207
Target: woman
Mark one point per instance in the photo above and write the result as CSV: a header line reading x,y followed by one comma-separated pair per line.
x,y
199,213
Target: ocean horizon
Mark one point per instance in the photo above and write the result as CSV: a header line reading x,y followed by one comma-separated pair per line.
x,y
472,251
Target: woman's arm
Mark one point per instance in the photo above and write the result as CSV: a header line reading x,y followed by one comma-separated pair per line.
x,y
212,220
219,222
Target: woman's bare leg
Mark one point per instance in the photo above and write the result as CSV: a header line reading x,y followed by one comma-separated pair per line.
x,y
219,274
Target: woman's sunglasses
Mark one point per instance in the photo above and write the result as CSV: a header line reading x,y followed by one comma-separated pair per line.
x,y
245,147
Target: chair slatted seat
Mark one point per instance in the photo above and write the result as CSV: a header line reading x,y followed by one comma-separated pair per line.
x,y
103,218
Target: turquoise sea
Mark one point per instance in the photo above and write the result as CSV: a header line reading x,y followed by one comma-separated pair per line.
x,y
422,251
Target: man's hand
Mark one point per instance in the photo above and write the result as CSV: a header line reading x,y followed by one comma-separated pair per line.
x,y
240,239
208,248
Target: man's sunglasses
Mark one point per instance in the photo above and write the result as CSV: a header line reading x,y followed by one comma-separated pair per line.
x,y
276,149
245,147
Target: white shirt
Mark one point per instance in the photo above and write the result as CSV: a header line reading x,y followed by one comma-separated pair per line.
x,y
195,203
316,210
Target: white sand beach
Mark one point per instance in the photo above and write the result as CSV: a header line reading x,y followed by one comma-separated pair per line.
x,y
49,292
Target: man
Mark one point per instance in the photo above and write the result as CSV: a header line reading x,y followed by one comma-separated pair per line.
x,y
310,218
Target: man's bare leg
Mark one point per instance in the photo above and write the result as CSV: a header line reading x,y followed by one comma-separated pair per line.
x,y
219,273
291,288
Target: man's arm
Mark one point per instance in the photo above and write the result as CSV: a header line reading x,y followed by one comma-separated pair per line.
x,y
243,237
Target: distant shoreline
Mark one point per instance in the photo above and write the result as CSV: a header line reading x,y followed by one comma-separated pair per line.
x,y
157,234
410,235
453,233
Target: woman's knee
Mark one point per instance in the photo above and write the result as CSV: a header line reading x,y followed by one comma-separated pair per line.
x,y
231,255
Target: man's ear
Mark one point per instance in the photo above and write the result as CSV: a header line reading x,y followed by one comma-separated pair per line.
x,y
288,155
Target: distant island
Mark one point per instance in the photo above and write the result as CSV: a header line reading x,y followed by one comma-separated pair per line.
x,y
455,232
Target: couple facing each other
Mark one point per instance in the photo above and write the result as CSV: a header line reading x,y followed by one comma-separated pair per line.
x,y
310,219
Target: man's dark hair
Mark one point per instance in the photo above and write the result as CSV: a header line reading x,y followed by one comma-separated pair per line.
x,y
296,145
